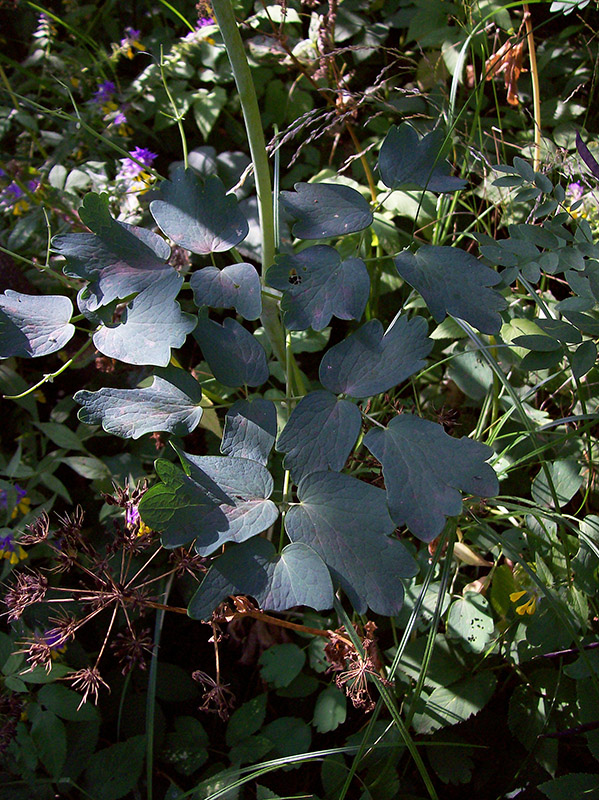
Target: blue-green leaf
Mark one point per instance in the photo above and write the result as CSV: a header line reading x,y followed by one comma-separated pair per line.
x,y
250,430
322,210
295,577
319,435
452,281
199,215
346,521
316,285
118,259
237,286
406,160
371,361
113,772
32,325
152,324
171,403
425,469
233,354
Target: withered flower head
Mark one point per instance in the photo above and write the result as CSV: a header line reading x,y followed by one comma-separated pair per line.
x,y
131,649
30,587
184,561
37,531
88,681
70,526
218,698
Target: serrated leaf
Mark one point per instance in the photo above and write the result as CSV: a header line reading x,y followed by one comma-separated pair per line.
x,y
32,326
235,357
281,663
470,621
295,577
449,705
49,734
317,285
66,704
117,258
289,736
452,281
199,215
247,719
247,484
114,771
185,747
424,471
408,160
237,286
322,210
346,522
152,324
574,784
171,403
371,360
330,710
250,430
319,434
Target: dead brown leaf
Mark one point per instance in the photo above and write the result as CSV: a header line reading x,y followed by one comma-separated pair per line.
x,y
508,60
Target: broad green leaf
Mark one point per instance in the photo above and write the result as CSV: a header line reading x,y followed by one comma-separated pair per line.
x,y
371,361
408,160
185,747
171,403
281,663
323,210
32,325
452,764
237,286
248,511
446,664
82,740
152,325
573,785
233,354
114,771
250,430
330,710
295,577
207,105
318,285
247,719
470,621
452,281
471,373
346,521
448,705
583,358
65,703
118,259
61,435
319,434
289,736
49,735
566,478
425,470
198,215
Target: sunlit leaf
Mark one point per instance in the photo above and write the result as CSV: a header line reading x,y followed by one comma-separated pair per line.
x,y
250,430
33,325
323,210
237,286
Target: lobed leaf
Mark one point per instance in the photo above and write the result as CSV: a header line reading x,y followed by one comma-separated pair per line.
x,y
371,361
250,430
32,326
199,215
322,210
346,522
406,159
235,357
319,434
317,285
171,403
452,281
237,286
425,469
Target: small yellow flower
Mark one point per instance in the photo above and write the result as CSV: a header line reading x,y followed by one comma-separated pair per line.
x,y
528,607
11,550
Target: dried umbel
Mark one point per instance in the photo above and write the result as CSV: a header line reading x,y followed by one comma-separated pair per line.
x,y
88,681
132,649
29,588
217,698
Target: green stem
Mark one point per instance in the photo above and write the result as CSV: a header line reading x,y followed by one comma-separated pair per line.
x,y
50,377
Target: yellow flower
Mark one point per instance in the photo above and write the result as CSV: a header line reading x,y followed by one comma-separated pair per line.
x,y
528,607
11,550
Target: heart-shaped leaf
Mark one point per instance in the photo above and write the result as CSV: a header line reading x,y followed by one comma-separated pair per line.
x,y
250,430
346,521
406,160
171,403
199,215
246,484
33,325
323,210
452,281
295,577
235,357
425,469
152,324
319,435
237,286
118,259
370,361
316,285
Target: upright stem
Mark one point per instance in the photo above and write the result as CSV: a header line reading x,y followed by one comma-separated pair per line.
x,y
536,94
223,10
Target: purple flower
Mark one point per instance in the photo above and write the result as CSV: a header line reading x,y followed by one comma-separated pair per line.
x,y
131,169
131,33
104,92
203,22
11,550
575,191
21,493
132,517
119,119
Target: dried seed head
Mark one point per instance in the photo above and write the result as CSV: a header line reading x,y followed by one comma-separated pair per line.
x,y
30,587
132,648
38,531
88,681
218,698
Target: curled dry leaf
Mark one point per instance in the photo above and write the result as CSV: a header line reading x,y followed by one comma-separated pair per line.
x,y
507,60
